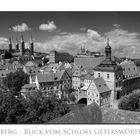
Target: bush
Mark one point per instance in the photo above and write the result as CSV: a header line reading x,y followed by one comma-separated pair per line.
x,y
72,97
130,102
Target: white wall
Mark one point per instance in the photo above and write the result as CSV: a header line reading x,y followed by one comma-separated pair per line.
x,y
92,93
76,82
109,81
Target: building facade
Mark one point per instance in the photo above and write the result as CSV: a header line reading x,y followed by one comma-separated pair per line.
x,y
58,84
111,73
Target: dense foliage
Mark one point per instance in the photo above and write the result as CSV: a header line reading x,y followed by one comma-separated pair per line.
x,y
130,102
14,81
7,55
35,109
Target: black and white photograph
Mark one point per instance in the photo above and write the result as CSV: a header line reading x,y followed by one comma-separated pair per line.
x,y
69,67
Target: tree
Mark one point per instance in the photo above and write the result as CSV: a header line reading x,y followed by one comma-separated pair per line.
x,y
36,109
123,103
130,102
7,55
72,97
10,108
14,81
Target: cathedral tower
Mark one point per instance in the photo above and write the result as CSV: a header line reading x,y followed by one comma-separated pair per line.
x,y
22,45
10,44
17,45
108,50
31,46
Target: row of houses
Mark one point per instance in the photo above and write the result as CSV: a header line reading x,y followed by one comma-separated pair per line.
x,y
104,80
58,84
100,79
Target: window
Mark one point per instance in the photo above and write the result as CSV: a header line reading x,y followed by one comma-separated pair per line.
x,y
107,76
98,74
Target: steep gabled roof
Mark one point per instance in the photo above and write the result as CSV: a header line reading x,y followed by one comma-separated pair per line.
x,y
101,85
50,77
88,62
106,65
87,77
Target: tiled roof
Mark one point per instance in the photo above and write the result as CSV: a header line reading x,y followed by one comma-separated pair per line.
x,y
129,68
14,65
101,85
29,86
106,65
3,73
3,67
69,71
87,77
88,62
50,77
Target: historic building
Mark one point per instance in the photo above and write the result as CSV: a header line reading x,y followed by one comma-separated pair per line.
x,y
85,53
56,57
131,76
98,92
58,83
20,49
111,73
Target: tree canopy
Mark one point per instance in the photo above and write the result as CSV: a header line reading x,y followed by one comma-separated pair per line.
x,y
130,102
36,109
14,81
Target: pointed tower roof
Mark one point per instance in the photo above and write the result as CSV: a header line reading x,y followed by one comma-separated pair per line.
x,y
10,40
31,39
16,41
108,46
22,39
107,64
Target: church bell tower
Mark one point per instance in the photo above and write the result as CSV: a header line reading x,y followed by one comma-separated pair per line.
x,y
31,46
10,44
108,50
22,45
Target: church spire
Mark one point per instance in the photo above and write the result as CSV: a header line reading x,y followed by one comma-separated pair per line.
x,y
31,39
22,39
10,40
16,40
108,50
31,46
107,41
10,44
22,45
17,45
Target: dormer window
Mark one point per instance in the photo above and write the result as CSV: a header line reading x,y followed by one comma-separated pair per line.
x,y
99,75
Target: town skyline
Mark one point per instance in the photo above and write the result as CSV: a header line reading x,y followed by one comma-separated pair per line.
x,y
68,31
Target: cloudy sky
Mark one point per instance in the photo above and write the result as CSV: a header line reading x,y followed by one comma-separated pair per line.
x,y
68,31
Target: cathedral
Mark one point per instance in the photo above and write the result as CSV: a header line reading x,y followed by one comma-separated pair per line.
x,y
20,49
